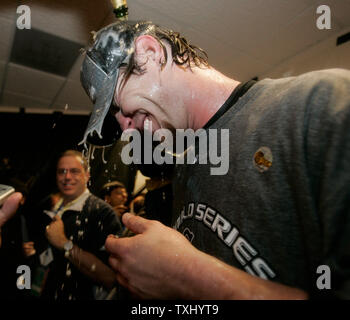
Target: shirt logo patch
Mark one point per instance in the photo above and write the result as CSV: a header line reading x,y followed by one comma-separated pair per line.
x,y
262,159
188,234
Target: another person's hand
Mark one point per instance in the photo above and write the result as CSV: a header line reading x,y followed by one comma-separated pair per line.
x,y
153,263
120,209
28,248
10,207
55,233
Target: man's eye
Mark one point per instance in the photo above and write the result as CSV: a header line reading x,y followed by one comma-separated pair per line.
x,y
114,109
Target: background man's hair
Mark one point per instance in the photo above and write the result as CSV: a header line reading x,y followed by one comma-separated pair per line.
x,y
109,187
75,153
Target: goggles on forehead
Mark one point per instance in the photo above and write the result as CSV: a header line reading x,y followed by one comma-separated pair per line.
x,y
112,48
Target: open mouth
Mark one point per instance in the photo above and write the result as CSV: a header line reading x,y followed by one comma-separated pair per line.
x,y
149,124
67,185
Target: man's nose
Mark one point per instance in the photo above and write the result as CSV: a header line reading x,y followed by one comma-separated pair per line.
x,y
67,174
125,122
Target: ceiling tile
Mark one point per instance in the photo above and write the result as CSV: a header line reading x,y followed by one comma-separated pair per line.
x,y
73,20
231,62
293,38
340,57
8,9
75,71
239,22
43,51
323,55
7,28
340,10
30,82
13,99
74,95
243,67
2,73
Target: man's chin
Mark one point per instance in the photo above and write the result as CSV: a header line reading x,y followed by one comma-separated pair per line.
x,y
68,193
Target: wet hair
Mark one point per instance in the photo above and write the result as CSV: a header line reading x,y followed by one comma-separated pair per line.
x,y
183,53
75,153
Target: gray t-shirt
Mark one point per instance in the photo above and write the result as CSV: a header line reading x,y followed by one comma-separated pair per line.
x,y
283,208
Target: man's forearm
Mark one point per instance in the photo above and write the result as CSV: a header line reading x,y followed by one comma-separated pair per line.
x,y
209,278
172,268
92,267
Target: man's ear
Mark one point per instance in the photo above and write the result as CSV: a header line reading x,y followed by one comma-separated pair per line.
x,y
87,176
148,49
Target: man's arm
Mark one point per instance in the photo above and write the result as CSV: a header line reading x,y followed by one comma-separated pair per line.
x,y
85,261
92,267
159,262
9,208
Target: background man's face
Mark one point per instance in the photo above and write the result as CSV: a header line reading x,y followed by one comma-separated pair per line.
x,y
118,196
71,177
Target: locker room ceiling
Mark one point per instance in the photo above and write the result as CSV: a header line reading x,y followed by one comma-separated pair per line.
x,y
39,68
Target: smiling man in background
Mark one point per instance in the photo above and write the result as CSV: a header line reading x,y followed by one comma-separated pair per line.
x,y
76,228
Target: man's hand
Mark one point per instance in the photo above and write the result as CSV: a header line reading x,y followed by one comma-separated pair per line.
x,y
55,233
28,249
160,263
120,209
85,261
152,263
10,207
